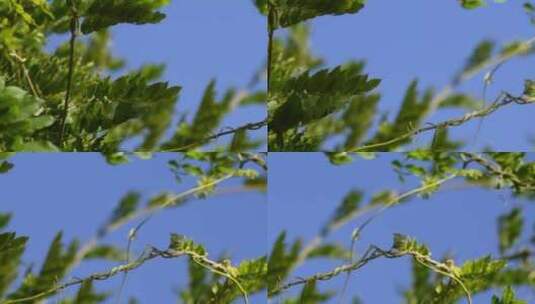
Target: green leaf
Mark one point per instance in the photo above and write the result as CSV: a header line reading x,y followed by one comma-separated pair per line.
x,y
312,97
334,251
107,252
20,118
11,250
5,166
311,294
57,262
339,158
161,200
508,297
290,12
198,288
138,107
87,295
116,158
208,116
104,13
358,118
35,146
182,243
411,114
349,204
481,54
421,289
252,274
281,261
127,206
262,6
529,90
472,4
405,244
460,101
5,218
510,227
480,269
529,7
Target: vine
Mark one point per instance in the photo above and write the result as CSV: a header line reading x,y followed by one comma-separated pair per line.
x,y
74,24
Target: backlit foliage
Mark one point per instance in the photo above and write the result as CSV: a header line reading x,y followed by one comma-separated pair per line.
x,y
212,279
66,99
434,279
316,108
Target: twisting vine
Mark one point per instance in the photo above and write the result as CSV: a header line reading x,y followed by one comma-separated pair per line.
x,y
496,64
502,100
74,23
150,254
252,126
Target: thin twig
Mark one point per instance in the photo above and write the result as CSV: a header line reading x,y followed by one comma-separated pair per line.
x,y
26,73
247,127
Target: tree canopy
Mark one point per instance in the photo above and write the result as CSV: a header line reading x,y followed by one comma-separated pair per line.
x,y
310,104
66,99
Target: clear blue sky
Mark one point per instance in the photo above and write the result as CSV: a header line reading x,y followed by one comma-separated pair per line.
x,y
430,40
77,192
305,189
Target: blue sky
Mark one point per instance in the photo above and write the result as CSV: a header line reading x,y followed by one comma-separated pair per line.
x,y
77,192
456,220
430,40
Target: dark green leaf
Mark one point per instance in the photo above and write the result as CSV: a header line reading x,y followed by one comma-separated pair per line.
x,y
105,13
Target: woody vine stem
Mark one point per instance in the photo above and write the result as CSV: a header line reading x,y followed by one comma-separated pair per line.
x,y
73,29
502,100
270,43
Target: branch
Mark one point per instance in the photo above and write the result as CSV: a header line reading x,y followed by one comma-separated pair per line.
x,y
371,254
74,30
374,253
503,100
150,255
247,127
495,168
